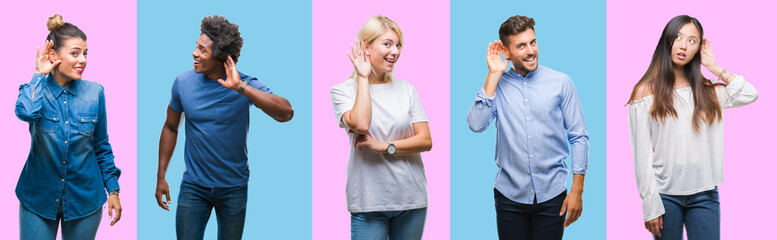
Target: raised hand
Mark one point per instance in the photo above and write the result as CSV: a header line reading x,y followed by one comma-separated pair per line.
x,y
42,64
233,81
707,58
494,58
360,59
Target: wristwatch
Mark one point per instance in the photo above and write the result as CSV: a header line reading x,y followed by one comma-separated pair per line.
x,y
242,87
114,192
391,148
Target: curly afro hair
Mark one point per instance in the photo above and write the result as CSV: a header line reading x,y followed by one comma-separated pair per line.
x,y
225,36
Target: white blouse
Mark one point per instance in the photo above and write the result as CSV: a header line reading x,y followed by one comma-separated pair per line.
x,y
672,158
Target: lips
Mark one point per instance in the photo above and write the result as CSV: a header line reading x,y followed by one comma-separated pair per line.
x,y
681,56
530,60
196,63
79,69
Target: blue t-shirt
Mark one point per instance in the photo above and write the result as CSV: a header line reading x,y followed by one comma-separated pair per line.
x,y
217,122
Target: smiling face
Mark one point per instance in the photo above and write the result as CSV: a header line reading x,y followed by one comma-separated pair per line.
x,y
522,50
686,45
384,52
73,56
204,62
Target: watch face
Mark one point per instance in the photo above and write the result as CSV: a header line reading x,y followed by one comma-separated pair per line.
x,y
391,149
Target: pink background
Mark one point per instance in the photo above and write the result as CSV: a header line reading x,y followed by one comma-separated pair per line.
x,y
742,43
112,60
424,63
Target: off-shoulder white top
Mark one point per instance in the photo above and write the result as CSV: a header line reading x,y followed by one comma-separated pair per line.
x,y
672,158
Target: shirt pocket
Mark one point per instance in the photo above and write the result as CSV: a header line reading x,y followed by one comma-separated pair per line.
x,y
47,122
87,123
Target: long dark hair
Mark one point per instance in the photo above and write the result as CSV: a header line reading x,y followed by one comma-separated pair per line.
x,y
660,79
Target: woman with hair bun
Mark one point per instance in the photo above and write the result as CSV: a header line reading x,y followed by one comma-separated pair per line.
x,y
70,169
676,126
383,117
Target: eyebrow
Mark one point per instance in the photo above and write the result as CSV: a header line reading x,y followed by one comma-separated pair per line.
x,y
526,43
692,36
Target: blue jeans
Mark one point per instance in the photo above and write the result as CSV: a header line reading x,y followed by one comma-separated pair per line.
x,y
408,224
195,204
529,221
700,213
32,226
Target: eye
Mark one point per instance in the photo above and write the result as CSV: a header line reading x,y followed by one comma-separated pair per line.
x,y
387,44
692,41
533,43
677,37
399,45
74,54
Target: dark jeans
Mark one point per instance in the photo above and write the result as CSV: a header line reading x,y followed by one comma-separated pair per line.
x,y
195,204
529,221
700,213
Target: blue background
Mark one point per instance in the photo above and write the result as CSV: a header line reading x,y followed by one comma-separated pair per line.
x,y
571,39
277,51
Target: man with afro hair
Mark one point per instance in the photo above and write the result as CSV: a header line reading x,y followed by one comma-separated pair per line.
x,y
216,99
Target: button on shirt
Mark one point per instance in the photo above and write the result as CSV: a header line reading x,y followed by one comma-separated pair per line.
x,y
217,120
70,160
537,115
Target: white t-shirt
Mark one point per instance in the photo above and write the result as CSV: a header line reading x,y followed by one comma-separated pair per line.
x,y
672,158
382,182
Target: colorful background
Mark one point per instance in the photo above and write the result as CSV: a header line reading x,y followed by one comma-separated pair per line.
x,y
741,44
111,62
276,50
571,39
424,63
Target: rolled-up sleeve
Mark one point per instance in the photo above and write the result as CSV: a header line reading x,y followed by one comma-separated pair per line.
x,y
737,93
28,104
482,112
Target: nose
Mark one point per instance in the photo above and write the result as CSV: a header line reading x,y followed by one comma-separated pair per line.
x,y
82,58
194,53
683,44
531,51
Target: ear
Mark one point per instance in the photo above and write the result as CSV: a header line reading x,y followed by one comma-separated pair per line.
x,y
366,48
505,52
53,56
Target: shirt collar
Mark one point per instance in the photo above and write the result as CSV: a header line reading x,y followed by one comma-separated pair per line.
x,y
515,75
57,90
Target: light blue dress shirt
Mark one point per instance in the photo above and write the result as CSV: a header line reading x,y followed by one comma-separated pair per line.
x,y
538,119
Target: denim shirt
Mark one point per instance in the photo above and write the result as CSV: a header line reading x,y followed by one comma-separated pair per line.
x,y
70,161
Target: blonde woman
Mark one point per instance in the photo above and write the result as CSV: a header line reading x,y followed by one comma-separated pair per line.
x,y
384,120
70,168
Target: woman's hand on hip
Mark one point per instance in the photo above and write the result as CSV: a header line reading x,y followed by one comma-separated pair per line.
x,y
42,64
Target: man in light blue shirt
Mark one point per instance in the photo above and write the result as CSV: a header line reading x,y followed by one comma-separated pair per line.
x,y
537,112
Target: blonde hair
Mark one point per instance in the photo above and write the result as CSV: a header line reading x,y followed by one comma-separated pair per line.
x,y
372,29
55,22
